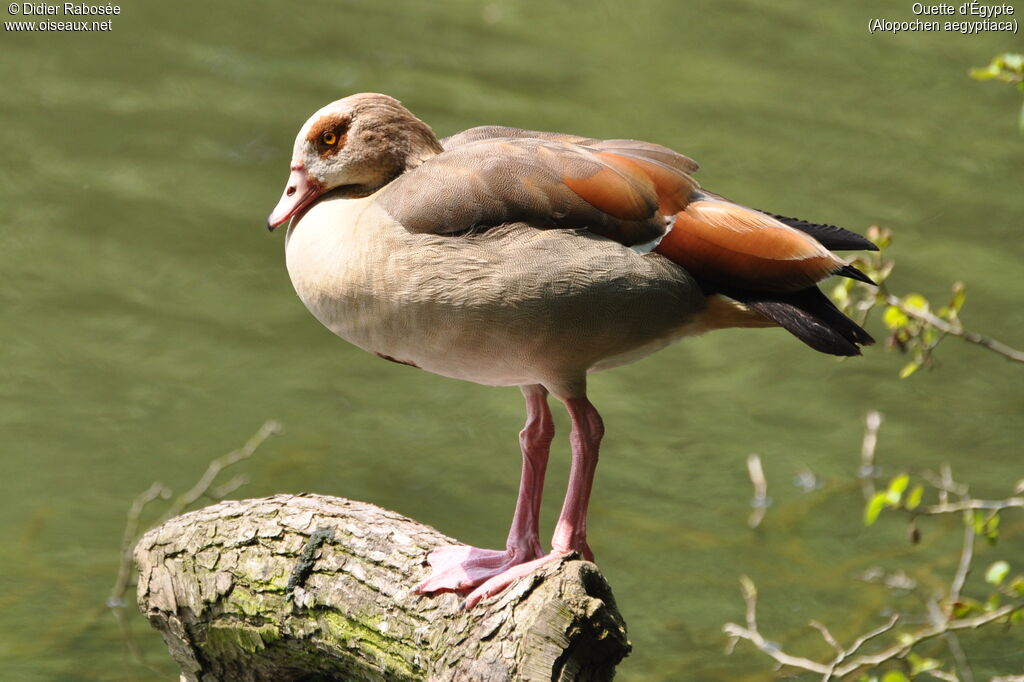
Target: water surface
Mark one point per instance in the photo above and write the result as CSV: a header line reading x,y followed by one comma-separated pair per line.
x,y
150,325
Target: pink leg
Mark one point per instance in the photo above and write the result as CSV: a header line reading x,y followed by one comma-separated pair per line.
x,y
585,439
460,567
571,530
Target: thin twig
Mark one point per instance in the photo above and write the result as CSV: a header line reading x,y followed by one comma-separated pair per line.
x,y
966,555
116,601
827,635
945,484
750,599
959,658
868,636
753,635
910,641
760,501
780,656
121,616
971,504
131,530
847,661
844,655
204,483
955,330
873,422
228,487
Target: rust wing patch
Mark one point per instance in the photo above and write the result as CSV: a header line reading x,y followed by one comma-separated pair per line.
x,y
728,243
672,187
616,188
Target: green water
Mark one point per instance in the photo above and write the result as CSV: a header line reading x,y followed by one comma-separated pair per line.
x,y
149,323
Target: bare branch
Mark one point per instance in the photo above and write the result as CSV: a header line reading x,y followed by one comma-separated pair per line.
x,y
781,657
908,642
940,621
955,329
228,487
131,533
945,484
826,634
953,642
966,555
204,483
750,599
868,636
971,504
115,602
753,635
846,661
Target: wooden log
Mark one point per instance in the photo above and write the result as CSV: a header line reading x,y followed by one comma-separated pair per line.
x,y
306,587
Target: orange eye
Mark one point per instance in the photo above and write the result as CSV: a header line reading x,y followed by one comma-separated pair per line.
x,y
329,138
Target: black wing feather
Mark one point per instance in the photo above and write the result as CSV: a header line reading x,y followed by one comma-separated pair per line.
x,y
808,315
831,237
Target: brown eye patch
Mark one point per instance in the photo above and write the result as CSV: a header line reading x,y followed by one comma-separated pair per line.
x,y
329,132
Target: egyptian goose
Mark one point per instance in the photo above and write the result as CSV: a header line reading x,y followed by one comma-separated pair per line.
x,y
522,258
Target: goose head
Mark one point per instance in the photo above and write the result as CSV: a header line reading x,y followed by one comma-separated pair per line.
x,y
355,145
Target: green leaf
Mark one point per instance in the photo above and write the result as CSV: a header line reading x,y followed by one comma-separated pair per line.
x,y
896,487
978,520
914,497
895,676
874,508
916,301
841,293
909,369
984,73
919,664
992,529
997,572
964,607
894,318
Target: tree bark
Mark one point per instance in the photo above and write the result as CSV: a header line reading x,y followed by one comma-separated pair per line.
x,y
305,587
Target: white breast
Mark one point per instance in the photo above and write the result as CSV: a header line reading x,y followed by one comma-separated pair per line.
x,y
339,257
513,306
